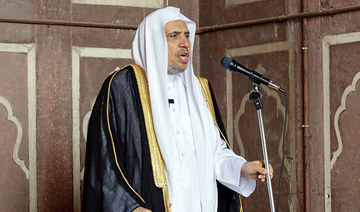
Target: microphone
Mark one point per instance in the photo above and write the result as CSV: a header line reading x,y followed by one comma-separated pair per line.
x,y
232,65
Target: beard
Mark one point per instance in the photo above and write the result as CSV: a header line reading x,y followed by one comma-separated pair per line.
x,y
175,69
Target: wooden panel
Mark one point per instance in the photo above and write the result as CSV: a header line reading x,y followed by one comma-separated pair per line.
x,y
18,131
341,120
14,184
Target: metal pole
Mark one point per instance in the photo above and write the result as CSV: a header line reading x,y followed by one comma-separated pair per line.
x,y
255,96
263,143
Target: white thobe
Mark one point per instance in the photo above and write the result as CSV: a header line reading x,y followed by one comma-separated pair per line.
x,y
186,189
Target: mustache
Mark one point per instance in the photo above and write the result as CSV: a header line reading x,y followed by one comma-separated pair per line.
x,y
181,51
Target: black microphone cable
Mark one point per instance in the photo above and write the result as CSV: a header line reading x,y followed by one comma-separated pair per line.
x,y
283,151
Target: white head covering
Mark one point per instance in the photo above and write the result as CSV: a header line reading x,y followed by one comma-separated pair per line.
x,y
149,51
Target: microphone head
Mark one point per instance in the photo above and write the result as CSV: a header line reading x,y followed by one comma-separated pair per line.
x,y
226,62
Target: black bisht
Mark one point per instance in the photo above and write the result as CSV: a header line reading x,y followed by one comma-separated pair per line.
x,y
118,175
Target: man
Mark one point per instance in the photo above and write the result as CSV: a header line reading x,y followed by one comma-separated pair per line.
x,y
156,142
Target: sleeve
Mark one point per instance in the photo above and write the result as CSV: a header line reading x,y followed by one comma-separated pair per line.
x,y
111,180
228,168
227,164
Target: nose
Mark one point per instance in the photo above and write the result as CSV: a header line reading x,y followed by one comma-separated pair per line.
x,y
184,43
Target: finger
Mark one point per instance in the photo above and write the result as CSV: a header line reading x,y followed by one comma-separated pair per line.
x,y
260,169
264,171
261,176
271,169
271,176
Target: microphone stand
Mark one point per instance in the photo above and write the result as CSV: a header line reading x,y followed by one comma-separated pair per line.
x,y
255,96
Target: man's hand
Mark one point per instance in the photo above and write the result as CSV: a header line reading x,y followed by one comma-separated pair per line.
x,y
141,209
255,170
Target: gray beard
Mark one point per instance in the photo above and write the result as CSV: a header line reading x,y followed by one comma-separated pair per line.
x,y
174,69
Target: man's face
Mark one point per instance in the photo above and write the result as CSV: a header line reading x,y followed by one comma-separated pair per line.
x,y
177,35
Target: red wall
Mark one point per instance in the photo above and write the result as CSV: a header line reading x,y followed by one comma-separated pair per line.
x,y
50,76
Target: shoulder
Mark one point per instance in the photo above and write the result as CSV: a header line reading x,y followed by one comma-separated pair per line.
x,y
122,77
202,79
128,72
119,79
121,73
204,84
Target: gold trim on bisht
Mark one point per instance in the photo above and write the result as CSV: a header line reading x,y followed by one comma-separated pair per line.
x,y
157,162
112,139
205,89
